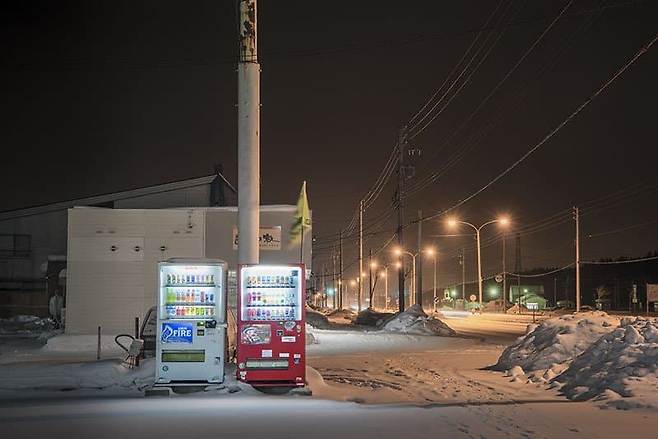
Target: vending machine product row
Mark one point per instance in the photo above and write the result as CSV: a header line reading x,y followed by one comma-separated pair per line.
x,y
271,346
191,329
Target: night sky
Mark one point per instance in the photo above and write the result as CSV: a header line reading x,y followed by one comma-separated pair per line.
x,y
113,95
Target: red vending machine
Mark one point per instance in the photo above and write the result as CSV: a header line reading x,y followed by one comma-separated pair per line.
x,y
271,325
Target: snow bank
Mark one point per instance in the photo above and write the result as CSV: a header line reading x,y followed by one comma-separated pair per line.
x,y
621,363
369,317
517,309
316,319
414,321
102,374
346,314
25,325
83,344
556,341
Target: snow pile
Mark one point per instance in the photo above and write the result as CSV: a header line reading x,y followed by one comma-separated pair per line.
x,y
555,342
316,319
518,309
369,317
621,363
104,374
83,344
414,321
346,314
25,325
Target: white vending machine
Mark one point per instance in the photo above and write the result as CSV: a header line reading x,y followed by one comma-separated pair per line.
x,y
191,330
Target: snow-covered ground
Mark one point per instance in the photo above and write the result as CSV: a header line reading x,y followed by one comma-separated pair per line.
x,y
364,384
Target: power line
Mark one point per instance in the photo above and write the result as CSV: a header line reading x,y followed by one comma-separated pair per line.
x,y
554,131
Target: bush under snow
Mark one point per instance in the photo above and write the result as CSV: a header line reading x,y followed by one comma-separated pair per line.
x,y
622,363
556,341
414,321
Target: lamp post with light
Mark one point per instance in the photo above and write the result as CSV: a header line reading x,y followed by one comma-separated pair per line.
x,y
504,221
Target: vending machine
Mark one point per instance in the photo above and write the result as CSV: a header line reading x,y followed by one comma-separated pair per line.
x,y
191,329
271,325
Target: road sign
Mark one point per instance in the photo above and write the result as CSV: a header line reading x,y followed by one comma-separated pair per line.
x,y
473,297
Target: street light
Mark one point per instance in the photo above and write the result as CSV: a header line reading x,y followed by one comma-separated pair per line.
x,y
400,252
503,221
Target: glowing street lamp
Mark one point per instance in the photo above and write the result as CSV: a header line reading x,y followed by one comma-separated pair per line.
x,y
454,222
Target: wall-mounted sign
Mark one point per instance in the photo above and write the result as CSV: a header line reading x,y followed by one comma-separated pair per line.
x,y
268,239
652,292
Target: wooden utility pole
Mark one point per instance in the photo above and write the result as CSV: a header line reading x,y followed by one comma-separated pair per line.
x,y
419,268
576,216
340,270
360,277
402,144
370,295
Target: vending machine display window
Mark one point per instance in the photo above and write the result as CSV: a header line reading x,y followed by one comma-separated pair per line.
x,y
271,325
191,327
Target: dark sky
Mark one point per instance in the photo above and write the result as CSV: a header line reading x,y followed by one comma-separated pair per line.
x,y
110,95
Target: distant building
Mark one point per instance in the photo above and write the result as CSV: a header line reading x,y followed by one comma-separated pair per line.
x,y
528,295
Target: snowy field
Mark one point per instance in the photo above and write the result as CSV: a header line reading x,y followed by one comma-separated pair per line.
x,y
364,383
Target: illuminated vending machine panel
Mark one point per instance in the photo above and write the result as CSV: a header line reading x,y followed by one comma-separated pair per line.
x,y
191,330
271,325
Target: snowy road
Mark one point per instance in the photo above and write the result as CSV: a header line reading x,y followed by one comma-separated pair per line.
x,y
299,417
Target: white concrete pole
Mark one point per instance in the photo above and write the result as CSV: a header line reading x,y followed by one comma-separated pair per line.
x,y
248,136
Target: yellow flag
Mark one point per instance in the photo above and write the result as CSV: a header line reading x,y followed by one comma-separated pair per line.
x,y
302,216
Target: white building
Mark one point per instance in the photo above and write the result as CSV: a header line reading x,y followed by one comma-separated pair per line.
x,y
110,287
113,254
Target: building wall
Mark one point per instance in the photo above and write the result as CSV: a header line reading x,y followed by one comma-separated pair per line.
x,y
47,237
113,255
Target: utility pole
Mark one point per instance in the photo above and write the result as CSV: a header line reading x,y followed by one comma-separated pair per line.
x,y
323,297
360,254
462,260
248,136
504,273
340,270
370,295
576,216
402,144
419,270
333,277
